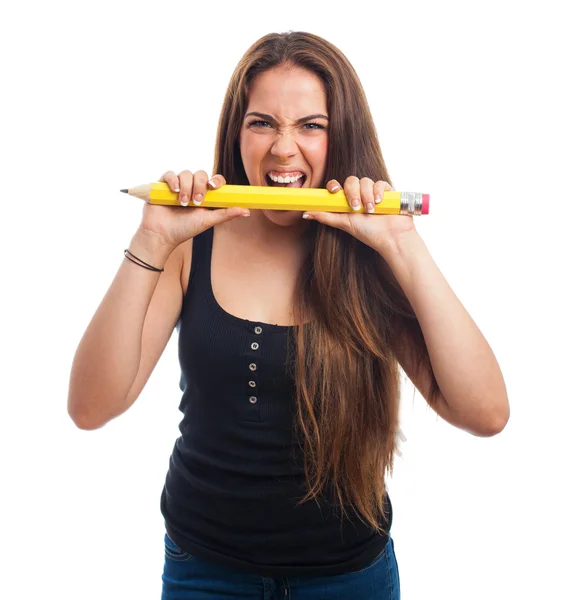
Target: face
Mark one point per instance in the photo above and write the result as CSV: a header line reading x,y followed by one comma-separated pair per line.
x,y
280,138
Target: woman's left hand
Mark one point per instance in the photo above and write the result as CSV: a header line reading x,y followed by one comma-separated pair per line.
x,y
379,231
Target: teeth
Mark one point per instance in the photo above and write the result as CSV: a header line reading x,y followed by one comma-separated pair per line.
x,y
288,179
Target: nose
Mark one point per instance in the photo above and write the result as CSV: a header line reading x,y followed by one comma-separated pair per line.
x,y
284,146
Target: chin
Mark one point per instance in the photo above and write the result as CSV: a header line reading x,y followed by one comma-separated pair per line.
x,y
284,218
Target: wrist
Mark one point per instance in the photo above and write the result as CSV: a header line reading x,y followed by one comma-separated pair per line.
x,y
150,247
402,244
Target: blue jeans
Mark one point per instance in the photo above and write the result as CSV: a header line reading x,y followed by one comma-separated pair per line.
x,y
186,577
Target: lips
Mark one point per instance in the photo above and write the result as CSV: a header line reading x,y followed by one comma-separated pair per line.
x,y
284,173
296,184
288,173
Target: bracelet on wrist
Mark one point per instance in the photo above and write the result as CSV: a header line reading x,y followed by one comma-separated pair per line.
x,y
140,262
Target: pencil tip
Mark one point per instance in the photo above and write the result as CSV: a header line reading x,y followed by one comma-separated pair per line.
x,y
126,191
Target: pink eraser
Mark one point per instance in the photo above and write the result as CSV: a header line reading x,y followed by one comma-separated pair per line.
x,y
425,204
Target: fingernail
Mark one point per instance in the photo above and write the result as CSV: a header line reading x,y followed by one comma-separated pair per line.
x,y
245,215
176,189
355,203
370,207
184,200
377,199
198,199
306,216
212,183
335,188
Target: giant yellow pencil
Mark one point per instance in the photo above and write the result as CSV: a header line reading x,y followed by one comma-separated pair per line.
x,y
282,198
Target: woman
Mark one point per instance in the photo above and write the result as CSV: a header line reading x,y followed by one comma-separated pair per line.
x,y
291,331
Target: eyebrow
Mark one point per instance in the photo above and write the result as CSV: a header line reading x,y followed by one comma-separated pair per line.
x,y
301,120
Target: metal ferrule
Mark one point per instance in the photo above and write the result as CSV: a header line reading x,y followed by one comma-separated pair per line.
x,y
411,203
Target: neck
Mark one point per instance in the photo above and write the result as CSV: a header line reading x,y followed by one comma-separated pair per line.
x,y
270,239
261,229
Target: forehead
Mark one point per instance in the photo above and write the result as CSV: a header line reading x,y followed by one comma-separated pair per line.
x,y
290,93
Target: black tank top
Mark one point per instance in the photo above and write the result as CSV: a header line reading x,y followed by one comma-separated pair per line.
x,y
236,472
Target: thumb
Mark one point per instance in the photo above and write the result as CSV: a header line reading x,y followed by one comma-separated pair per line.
x,y
327,218
219,215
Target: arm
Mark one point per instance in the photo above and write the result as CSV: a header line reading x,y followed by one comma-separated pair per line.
x,y
474,395
127,334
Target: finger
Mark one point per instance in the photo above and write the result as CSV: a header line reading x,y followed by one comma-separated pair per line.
x,y
333,186
217,181
338,220
367,194
214,217
171,179
352,192
200,187
379,188
186,179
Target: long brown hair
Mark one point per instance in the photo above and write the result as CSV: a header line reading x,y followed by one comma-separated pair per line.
x,y
346,371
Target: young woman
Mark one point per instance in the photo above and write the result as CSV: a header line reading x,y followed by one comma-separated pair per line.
x,y
291,331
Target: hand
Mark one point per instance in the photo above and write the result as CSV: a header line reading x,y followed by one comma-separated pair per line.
x,y
173,224
375,230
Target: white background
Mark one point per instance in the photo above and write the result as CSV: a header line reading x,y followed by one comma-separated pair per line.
x,y
471,105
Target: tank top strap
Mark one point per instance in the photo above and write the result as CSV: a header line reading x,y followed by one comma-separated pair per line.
x,y
201,255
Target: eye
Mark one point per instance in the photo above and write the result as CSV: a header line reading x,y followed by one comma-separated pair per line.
x,y
309,126
258,123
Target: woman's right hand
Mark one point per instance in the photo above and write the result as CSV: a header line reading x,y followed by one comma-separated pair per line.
x,y
177,224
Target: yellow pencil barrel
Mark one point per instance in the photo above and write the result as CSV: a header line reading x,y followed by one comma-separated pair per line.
x,y
279,198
